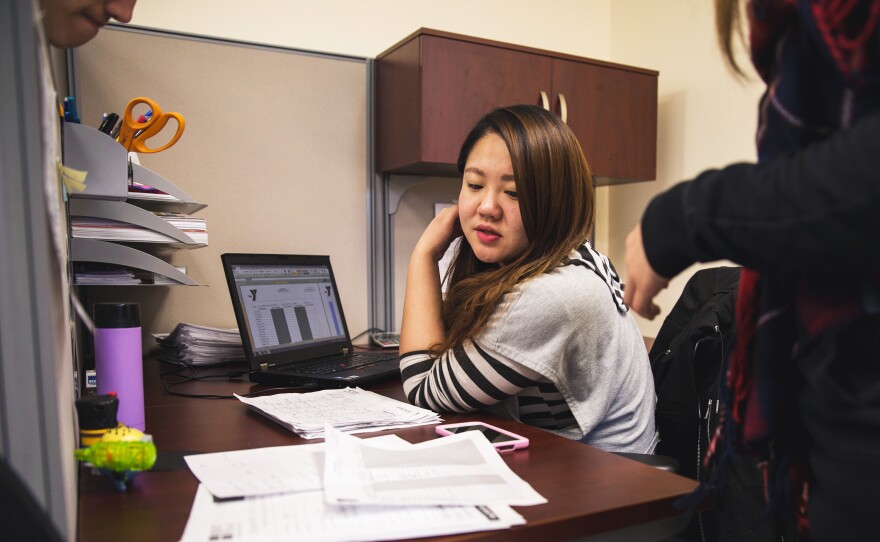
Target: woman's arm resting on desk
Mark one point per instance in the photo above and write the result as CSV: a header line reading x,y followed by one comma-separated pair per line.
x,y
462,380
422,325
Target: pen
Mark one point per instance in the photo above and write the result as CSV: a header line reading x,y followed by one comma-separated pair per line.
x,y
70,114
109,123
142,119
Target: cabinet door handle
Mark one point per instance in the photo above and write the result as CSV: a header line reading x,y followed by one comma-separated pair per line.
x,y
563,109
545,101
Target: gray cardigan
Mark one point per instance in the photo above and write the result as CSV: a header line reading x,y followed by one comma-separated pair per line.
x,y
569,326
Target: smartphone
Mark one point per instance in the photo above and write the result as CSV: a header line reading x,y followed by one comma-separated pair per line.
x,y
503,441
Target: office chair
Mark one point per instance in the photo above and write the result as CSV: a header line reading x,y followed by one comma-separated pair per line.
x,y
686,359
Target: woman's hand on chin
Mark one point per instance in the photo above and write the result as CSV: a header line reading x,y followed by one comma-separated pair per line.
x,y
439,234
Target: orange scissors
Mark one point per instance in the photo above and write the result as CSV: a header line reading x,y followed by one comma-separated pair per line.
x,y
135,131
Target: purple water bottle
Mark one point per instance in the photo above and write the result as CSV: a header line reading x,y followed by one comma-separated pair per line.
x,y
118,359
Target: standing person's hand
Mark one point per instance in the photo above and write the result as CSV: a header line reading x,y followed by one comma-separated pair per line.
x,y
642,283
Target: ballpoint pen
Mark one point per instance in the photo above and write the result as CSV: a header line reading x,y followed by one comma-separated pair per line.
x,y
70,114
109,123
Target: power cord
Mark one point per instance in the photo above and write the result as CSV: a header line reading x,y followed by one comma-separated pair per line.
x,y
368,330
168,383
362,333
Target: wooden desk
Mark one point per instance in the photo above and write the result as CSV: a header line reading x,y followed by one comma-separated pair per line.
x,y
589,491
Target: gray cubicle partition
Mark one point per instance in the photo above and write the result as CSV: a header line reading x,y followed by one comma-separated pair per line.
x,y
276,145
36,384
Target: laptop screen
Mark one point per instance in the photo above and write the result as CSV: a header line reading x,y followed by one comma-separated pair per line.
x,y
288,306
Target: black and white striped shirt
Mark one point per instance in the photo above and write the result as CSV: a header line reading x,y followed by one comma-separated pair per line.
x,y
468,378
472,377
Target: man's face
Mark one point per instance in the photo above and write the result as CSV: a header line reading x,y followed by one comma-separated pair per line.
x,y
71,23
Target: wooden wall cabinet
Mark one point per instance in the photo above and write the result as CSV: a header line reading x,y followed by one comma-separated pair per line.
x,y
433,86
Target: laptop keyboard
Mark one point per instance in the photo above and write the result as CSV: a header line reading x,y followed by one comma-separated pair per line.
x,y
334,365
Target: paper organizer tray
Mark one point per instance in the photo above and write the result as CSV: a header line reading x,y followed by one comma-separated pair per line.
x,y
130,214
106,162
92,250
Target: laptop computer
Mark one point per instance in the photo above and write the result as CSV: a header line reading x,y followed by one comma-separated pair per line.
x,y
292,325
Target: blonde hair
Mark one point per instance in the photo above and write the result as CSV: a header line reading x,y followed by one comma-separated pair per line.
x,y
729,28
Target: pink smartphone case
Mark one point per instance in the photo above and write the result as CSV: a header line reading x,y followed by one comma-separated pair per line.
x,y
518,443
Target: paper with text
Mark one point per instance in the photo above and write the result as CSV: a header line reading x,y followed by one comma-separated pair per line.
x,y
351,410
266,471
456,470
305,516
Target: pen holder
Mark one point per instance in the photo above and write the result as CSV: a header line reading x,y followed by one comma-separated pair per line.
x,y
105,160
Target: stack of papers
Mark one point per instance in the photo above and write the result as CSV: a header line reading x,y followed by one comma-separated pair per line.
x,y
200,346
114,230
151,199
162,279
105,276
138,190
88,274
349,489
350,410
195,228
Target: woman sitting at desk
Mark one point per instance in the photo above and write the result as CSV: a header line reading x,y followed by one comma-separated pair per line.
x,y
533,320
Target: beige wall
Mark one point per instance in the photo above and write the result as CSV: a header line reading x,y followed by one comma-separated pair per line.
x,y
267,155
366,28
707,119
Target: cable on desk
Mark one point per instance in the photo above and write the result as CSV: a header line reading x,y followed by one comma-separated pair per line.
x,y
229,375
368,330
362,333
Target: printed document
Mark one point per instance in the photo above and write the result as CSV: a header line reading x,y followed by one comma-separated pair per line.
x,y
261,471
354,489
266,471
459,469
305,516
351,410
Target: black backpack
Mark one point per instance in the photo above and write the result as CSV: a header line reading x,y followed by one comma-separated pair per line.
x,y
686,360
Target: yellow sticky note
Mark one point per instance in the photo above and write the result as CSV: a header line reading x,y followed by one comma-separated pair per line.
x,y
73,179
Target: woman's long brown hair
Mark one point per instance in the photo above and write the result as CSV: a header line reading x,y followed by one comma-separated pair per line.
x,y
556,200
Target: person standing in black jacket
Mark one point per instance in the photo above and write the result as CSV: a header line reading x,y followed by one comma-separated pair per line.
x,y
803,378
